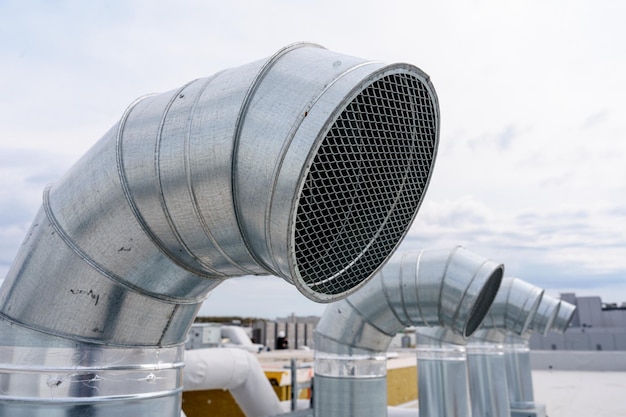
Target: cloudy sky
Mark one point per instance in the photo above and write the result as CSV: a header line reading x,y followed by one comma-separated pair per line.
x,y
531,170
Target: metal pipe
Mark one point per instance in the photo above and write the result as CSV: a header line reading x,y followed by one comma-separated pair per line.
x,y
552,315
309,165
512,311
448,288
442,373
234,370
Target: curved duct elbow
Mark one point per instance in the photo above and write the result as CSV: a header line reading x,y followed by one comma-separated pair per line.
x,y
545,315
310,165
513,308
564,316
452,289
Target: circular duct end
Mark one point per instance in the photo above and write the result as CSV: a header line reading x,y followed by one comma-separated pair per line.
x,y
484,300
365,183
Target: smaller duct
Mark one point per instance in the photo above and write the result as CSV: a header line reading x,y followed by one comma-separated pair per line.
x,y
552,315
235,370
511,312
445,288
442,373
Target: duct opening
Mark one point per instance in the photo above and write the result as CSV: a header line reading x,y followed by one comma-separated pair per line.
x,y
365,183
483,301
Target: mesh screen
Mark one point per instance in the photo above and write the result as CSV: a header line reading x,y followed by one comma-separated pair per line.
x,y
365,184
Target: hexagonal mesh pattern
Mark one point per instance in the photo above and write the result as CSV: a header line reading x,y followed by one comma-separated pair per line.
x,y
365,184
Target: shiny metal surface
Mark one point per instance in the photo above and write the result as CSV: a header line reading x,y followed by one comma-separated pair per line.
x,y
563,318
488,383
545,315
442,374
552,315
341,397
416,288
227,176
512,310
518,372
43,375
511,313
449,289
309,165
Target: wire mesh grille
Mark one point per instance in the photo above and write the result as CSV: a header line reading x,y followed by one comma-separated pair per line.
x,y
365,184
483,302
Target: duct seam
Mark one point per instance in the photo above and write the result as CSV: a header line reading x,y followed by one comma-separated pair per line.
x,y
191,189
95,265
325,128
243,110
368,321
161,195
119,149
388,298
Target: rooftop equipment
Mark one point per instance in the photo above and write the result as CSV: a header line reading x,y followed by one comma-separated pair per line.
x,y
451,289
552,315
309,165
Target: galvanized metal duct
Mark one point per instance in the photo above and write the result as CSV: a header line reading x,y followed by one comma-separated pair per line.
x,y
552,315
448,288
445,361
442,378
512,311
309,165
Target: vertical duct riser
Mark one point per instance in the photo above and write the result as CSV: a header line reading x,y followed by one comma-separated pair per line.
x,y
442,374
519,373
552,315
310,165
488,384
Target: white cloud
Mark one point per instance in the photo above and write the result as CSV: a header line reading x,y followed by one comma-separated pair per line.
x,y
530,165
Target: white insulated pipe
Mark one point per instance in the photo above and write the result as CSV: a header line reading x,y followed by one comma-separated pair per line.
x,y
447,288
235,370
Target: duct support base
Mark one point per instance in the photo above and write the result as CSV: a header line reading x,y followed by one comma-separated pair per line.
x,y
539,410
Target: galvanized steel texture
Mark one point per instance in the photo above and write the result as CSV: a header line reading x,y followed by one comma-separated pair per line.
x,y
309,165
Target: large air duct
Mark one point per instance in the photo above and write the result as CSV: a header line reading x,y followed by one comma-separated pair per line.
x,y
552,315
309,165
511,312
451,289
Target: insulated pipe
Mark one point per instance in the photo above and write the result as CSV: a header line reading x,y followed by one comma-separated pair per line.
x,y
234,370
512,311
310,165
448,288
552,315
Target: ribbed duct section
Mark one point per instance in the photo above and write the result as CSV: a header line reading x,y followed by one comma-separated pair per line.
x,y
447,288
309,165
